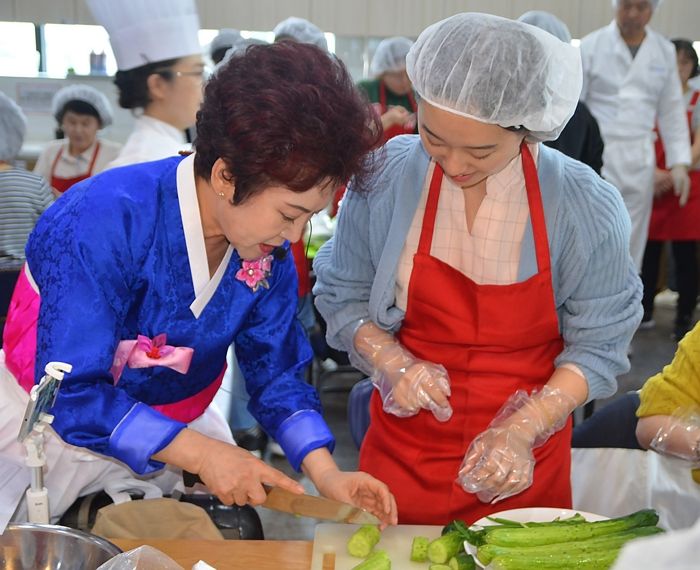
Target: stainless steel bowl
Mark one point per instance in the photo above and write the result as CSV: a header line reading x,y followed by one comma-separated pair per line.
x,y
49,547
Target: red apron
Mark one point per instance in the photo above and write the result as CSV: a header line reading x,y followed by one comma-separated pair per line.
x,y
395,130
62,184
670,222
493,340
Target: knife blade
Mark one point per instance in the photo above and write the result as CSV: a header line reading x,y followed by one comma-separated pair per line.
x,y
285,501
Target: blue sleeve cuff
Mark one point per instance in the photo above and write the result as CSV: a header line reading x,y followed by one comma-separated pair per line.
x,y
301,433
140,434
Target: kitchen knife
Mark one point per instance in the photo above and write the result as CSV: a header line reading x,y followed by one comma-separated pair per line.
x,y
285,501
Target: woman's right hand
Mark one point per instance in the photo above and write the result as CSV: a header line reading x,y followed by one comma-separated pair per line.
x,y
406,384
235,475
230,472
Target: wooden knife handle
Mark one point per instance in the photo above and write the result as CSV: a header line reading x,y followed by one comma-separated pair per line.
x,y
328,561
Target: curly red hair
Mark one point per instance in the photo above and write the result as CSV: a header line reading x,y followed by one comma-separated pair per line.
x,y
286,114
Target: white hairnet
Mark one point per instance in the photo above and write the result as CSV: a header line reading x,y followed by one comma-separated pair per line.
x,y
301,31
497,71
654,3
547,22
13,126
226,38
390,55
239,48
87,94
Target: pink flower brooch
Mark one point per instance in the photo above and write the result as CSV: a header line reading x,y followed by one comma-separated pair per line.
x,y
255,273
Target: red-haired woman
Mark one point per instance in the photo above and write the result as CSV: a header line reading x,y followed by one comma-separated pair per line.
x,y
144,275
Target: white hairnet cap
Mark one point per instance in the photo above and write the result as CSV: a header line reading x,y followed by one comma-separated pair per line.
x,y
226,38
547,22
390,55
238,48
497,71
301,31
13,126
84,93
654,3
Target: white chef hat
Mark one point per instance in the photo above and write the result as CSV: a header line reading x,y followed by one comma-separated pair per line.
x,y
302,31
547,22
13,126
144,32
497,71
390,55
226,38
654,3
87,94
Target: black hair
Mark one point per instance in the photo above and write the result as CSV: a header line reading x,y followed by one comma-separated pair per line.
x,y
79,107
218,54
686,46
133,86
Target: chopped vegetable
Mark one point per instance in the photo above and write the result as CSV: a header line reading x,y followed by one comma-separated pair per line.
x,y
363,540
419,549
462,561
445,547
378,560
439,567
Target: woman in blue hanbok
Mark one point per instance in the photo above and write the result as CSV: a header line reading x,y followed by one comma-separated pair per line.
x,y
141,277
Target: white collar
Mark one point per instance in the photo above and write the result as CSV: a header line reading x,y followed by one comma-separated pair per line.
x,y
153,124
204,286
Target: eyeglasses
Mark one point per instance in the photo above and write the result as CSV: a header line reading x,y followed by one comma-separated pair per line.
x,y
202,74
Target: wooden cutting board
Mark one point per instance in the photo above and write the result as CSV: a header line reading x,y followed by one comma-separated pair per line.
x,y
396,540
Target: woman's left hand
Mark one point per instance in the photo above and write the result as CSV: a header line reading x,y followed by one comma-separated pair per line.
x,y
498,464
362,490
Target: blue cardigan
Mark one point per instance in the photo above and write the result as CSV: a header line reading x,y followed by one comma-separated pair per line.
x,y
596,287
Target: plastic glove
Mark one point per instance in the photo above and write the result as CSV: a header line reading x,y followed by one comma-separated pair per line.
x,y
405,383
679,436
499,462
681,183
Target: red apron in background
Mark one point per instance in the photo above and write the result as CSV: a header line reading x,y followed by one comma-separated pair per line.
x,y
493,340
670,222
395,130
298,249
62,184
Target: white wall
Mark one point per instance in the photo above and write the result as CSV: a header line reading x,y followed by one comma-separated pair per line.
x,y
372,17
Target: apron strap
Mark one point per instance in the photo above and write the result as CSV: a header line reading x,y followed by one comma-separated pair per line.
x,y
426,233
534,200
382,96
55,162
94,158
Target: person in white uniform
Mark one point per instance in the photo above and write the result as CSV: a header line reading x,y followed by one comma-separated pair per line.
x,y
630,83
160,72
81,111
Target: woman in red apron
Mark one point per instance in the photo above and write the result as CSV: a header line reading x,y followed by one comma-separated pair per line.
x,y
433,284
672,221
390,91
81,111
